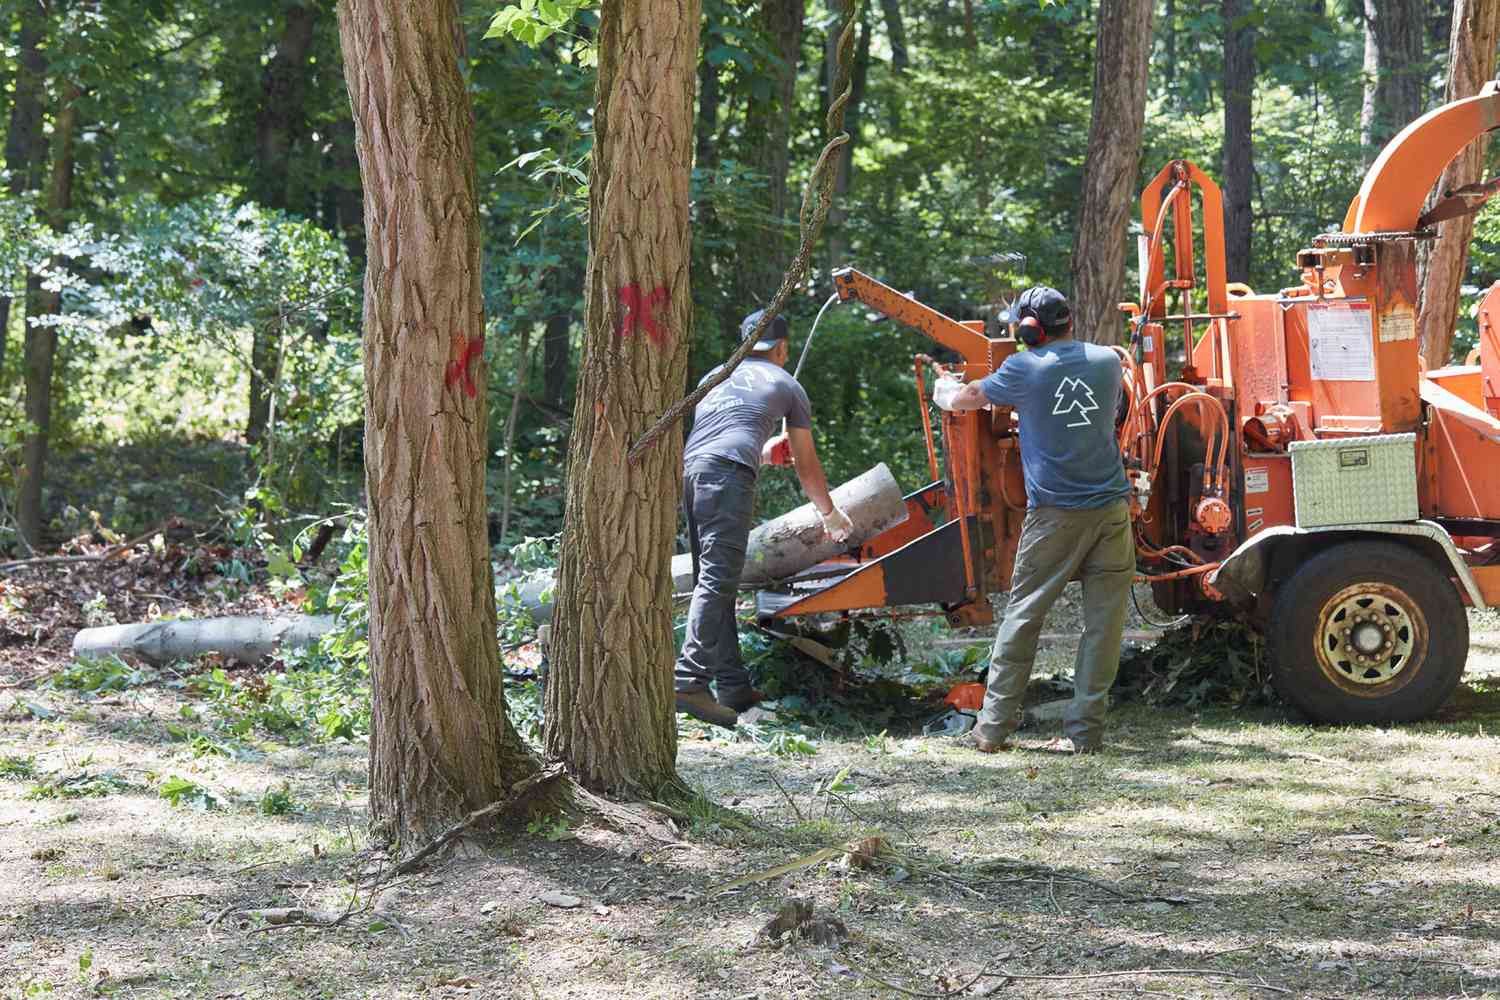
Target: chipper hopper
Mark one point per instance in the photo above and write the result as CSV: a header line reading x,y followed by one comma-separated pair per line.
x,y
1293,464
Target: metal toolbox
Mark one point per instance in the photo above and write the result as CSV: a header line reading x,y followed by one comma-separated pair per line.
x,y
1355,480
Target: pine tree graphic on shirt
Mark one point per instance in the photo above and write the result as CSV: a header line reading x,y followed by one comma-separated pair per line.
x,y
1074,396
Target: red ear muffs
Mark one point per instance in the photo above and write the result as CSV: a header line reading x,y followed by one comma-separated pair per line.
x,y
1031,331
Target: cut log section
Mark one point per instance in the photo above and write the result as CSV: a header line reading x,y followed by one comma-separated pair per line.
x,y
244,639
794,541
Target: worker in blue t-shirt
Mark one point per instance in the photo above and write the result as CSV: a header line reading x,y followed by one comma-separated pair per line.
x,y
1066,394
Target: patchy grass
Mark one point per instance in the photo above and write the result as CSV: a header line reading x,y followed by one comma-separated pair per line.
x,y
1246,850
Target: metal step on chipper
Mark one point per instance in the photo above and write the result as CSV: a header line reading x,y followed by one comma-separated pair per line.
x,y
1295,464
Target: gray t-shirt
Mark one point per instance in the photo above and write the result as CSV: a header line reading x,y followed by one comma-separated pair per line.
x,y
740,415
1067,394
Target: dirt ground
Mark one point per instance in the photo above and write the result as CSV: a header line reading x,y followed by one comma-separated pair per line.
x,y
1212,854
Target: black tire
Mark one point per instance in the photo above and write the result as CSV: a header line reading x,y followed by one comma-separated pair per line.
x,y
1379,601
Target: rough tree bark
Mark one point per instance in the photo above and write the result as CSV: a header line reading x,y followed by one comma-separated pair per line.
x,y
1238,152
278,123
1441,266
1109,171
41,341
440,742
609,709
1393,71
25,149
769,124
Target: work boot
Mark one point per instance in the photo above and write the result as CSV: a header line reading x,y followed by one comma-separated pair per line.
x,y
701,706
741,699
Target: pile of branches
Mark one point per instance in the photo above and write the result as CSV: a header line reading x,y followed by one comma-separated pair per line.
x,y
1205,662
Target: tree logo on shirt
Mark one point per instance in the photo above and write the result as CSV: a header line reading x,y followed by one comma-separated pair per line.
x,y
1074,396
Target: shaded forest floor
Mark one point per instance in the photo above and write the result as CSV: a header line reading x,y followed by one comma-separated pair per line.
x,y
1239,854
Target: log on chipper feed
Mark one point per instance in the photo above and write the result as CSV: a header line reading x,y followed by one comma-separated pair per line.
x,y
794,541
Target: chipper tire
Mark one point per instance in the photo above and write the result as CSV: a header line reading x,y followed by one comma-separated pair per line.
x,y
1367,632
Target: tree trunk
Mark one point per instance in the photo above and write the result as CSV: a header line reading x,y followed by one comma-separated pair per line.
x,y
1238,153
1111,165
838,213
1441,266
1169,31
1393,48
41,341
610,713
440,742
25,149
555,358
278,123
895,29
349,213
769,125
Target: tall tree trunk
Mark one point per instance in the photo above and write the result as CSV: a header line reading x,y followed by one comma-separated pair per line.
x,y
555,357
1109,170
41,340
769,124
278,123
440,742
838,213
1169,30
348,203
1393,50
1238,152
1441,266
895,29
610,713
25,147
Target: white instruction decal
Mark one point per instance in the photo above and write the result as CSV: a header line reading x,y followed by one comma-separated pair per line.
x,y
1258,479
1339,343
1398,324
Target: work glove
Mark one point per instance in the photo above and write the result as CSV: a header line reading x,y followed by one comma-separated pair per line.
x,y
944,390
777,451
837,524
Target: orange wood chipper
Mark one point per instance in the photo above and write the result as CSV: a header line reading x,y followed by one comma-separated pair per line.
x,y
1294,463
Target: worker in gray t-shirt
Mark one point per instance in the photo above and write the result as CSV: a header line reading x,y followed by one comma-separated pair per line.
x,y
1067,395
732,434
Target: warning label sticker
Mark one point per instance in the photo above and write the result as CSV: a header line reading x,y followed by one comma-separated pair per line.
x,y
1257,479
1340,343
1398,324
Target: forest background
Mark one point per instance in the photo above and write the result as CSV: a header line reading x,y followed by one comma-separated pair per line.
x,y
182,253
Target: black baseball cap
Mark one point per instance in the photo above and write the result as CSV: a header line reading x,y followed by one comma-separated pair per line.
x,y
1048,306
775,331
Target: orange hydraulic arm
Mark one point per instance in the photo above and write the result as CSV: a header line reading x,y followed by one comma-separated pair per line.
x,y
976,348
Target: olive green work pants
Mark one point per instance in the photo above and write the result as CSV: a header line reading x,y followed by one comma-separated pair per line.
x,y
1059,544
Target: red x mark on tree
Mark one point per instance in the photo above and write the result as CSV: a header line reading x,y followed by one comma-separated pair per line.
x,y
469,350
640,311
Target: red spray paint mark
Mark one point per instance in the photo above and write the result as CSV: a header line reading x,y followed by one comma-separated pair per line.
x,y
469,350
640,311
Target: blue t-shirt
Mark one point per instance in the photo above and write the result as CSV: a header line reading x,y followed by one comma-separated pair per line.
x,y
1066,394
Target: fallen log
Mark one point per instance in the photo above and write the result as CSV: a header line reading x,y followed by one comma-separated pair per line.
x,y
244,639
796,540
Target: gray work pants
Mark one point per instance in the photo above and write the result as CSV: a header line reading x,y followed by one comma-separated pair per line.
x,y
718,496
1058,544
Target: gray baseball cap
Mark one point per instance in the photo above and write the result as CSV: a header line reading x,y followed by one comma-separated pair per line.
x,y
775,332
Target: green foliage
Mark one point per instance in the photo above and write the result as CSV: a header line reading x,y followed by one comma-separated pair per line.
x,y
17,768
79,784
278,801
1202,663
532,22
553,828
100,676
181,791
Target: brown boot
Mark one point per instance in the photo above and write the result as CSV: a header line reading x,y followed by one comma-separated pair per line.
x,y
701,706
741,699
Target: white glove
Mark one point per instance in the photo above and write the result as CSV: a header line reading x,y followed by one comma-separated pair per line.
x,y
944,390
837,524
